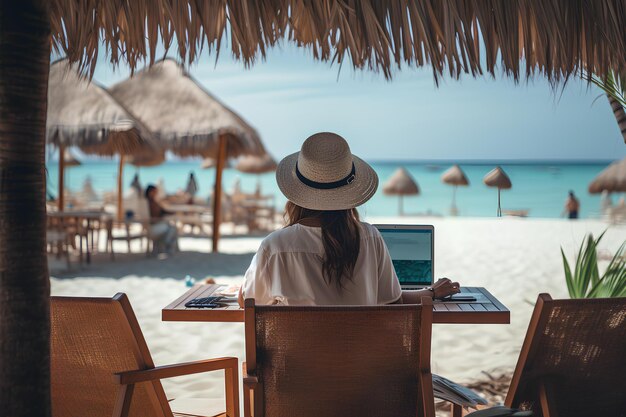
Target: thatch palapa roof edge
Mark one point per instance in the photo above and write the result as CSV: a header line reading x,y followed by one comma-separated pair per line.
x,y
558,38
185,118
83,114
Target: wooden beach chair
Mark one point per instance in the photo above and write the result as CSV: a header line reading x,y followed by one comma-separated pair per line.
x,y
573,360
101,365
338,361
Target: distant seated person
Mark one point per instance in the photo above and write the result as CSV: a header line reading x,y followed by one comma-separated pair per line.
x,y
572,206
325,255
163,234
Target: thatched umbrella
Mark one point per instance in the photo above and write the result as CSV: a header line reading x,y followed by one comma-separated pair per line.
x,y
401,183
187,120
83,114
455,177
70,159
208,163
257,165
612,179
147,158
497,178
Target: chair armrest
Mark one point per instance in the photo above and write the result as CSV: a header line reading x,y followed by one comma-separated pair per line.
x,y
251,402
248,380
170,371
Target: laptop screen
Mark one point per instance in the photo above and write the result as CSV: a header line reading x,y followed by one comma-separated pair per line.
x,y
411,250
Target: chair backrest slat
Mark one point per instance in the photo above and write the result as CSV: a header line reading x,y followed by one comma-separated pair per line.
x,y
340,361
91,340
575,352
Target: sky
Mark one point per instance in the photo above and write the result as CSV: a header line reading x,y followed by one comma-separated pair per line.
x,y
289,96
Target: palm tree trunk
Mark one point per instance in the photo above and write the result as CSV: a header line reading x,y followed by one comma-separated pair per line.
x,y
619,113
24,281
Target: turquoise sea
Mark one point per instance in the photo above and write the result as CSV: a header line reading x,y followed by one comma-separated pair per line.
x,y
540,187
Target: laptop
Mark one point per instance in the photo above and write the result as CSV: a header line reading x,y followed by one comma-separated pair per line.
x,y
412,249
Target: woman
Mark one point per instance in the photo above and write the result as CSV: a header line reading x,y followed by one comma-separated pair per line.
x,y
325,255
162,232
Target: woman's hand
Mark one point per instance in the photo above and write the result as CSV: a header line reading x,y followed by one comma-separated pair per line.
x,y
444,287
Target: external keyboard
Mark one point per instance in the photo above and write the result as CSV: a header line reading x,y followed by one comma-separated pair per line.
x,y
204,302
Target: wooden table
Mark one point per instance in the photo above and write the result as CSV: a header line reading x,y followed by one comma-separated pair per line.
x,y
194,215
78,217
489,311
188,208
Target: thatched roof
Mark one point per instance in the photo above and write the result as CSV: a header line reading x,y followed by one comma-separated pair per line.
x,y
454,176
256,164
401,183
83,114
212,163
556,38
69,159
611,179
184,117
147,158
497,178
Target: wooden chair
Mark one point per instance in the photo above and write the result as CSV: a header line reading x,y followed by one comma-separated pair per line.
x,y
338,361
101,365
57,240
573,360
126,227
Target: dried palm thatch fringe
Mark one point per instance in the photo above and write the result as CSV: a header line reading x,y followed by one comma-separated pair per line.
x,y
83,114
555,38
185,118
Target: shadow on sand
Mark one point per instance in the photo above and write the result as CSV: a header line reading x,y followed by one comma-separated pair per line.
x,y
196,264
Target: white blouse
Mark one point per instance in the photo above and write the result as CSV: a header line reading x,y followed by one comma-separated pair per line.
x,y
287,269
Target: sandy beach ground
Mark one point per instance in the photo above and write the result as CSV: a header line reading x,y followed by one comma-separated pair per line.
x,y
515,259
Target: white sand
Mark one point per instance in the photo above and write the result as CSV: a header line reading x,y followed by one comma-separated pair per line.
x,y
515,259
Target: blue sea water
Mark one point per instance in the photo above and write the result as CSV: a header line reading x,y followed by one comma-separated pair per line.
x,y
540,187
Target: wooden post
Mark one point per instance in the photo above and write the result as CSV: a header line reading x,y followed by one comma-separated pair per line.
x,y
453,210
499,209
60,197
217,192
120,189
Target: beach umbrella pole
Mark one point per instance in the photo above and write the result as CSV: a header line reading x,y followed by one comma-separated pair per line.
x,y
120,188
60,197
217,193
499,209
401,206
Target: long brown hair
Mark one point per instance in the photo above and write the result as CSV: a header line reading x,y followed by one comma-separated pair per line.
x,y
341,238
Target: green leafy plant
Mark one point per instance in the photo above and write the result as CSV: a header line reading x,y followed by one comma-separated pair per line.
x,y
613,85
585,280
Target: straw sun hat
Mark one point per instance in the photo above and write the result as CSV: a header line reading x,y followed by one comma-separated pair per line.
x,y
325,175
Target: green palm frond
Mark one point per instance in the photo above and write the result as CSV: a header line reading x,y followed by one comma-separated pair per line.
x,y
585,281
614,85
